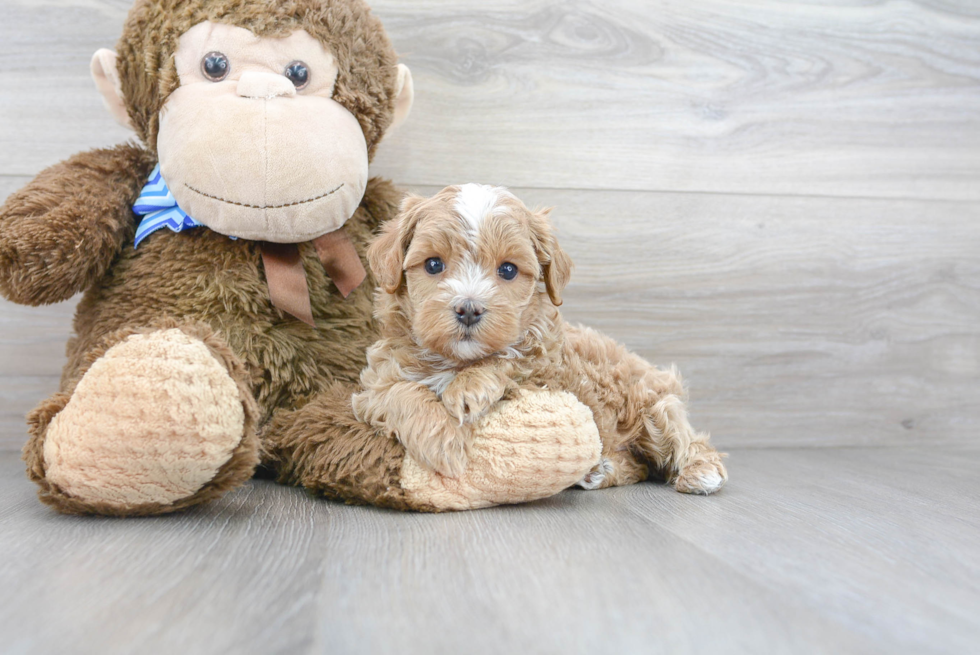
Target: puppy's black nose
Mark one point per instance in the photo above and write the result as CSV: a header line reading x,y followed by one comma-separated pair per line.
x,y
469,313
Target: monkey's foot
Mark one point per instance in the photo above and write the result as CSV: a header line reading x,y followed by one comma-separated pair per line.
x,y
157,423
528,448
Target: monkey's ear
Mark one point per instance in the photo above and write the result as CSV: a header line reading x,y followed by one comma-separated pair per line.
x,y
386,255
405,96
106,77
556,265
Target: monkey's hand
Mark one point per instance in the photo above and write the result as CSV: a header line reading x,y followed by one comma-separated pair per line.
x,y
60,233
474,391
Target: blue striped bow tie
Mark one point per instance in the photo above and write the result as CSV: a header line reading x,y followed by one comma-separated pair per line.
x,y
159,209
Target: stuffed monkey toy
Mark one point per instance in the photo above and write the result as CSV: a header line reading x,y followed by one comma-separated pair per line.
x,y
226,313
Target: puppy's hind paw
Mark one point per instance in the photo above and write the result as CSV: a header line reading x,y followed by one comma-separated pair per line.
x,y
704,475
597,477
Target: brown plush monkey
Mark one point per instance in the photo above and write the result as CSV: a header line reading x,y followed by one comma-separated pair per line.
x,y
192,359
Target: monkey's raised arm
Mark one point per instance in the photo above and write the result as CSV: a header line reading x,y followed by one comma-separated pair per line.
x,y
59,234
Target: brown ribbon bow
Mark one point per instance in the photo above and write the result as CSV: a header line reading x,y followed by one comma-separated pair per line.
x,y
286,277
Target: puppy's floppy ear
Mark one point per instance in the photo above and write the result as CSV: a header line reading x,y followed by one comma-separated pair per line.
x,y
386,254
556,265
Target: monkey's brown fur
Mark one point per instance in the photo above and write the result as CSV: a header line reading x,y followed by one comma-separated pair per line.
x,y
72,229
195,278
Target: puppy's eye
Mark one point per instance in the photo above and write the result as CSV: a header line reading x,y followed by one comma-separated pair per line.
x,y
507,271
215,66
298,73
434,266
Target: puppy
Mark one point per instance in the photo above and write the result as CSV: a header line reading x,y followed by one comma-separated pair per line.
x,y
470,281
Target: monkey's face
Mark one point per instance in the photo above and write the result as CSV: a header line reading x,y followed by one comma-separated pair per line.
x,y
256,137
252,143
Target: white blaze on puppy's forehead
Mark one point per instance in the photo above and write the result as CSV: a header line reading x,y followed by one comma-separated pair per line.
x,y
477,201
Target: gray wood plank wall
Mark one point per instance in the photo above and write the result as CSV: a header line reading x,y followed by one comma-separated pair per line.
x,y
781,198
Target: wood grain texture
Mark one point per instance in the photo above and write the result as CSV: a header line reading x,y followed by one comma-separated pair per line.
x,y
845,98
832,551
18,396
842,98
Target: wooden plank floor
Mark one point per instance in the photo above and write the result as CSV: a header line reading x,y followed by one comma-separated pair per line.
x,y
807,551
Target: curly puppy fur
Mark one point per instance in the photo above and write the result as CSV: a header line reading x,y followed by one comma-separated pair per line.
x,y
461,331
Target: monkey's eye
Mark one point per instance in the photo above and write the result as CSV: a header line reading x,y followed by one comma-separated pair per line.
x,y
434,266
215,66
507,271
298,73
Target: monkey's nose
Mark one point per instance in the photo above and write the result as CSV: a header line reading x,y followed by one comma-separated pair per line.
x,y
265,85
469,313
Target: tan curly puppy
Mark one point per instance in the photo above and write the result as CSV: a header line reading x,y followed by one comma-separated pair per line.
x,y
470,284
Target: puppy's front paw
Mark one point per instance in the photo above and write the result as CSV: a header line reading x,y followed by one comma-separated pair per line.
x,y
469,402
599,477
443,450
704,475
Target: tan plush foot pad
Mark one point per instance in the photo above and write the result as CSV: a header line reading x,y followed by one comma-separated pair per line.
x,y
528,448
151,421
